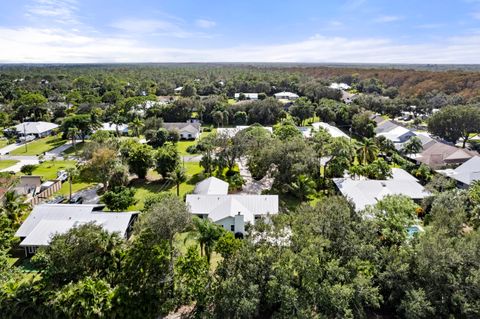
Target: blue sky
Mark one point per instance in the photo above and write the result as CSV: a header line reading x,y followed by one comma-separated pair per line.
x,y
368,31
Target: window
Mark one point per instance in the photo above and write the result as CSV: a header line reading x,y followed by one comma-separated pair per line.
x,y
232,227
31,249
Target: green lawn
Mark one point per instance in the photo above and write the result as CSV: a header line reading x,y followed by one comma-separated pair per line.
x,y
183,145
78,149
40,146
3,143
7,163
48,169
154,184
183,241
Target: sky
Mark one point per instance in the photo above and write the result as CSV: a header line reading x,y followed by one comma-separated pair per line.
x,y
341,31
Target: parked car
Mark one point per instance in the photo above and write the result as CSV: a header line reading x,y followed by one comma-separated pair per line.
x,y
27,138
62,176
76,200
56,200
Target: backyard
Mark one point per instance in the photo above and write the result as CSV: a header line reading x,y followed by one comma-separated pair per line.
x,y
40,146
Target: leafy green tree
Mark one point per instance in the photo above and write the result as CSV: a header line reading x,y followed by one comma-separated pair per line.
x,y
136,125
28,169
140,158
72,134
157,138
378,169
240,118
188,90
103,167
302,108
85,123
206,233
14,206
455,122
363,125
119,198
413,146
31,104
167,159
286,130
178,176
72,173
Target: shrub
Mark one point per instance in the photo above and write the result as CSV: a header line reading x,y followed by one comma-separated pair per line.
x,y
28,169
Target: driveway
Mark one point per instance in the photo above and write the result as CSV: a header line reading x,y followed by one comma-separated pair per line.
x,y
192,158
90,195
23,160
9,148
251,185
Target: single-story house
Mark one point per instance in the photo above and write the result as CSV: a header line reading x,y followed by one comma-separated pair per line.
x,y
393,132
439,155
187,131
286,96
332,130
465,174
366,192
340,86
233,211
232,131
121,128
37,129
306,131
248,96
46,220
211,186
178,90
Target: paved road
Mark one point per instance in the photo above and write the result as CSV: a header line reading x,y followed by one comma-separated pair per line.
x,y
9,148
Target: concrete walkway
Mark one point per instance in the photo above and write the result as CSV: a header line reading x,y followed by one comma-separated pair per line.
x,y
24,161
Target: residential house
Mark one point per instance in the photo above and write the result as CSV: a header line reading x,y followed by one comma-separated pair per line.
x,y
120,128
178,90
211,186
248,96
232,131
37,129
465,174
187,131
46,220
232,212
332,130
366,192
286,96
439,155
340,86
393,132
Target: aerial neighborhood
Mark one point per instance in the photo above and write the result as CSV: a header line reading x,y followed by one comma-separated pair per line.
x,y
197,188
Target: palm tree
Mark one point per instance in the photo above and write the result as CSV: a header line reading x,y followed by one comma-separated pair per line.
x,y
207,234
14,206
72,173
367,151
178,176
413,146
72,134
303,187
136,125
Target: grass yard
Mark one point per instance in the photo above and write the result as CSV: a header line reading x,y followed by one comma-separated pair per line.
x,y
154,184
183,145
78,149
7,163
183,241
48,169
3,143
76,186
40,146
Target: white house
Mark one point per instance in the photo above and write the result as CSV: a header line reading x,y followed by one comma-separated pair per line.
x,y
248,96
121,128
286,96
233,211
232,131
47,220
178,90
465,174
37,129
332,130
211,186
187,130
340,86
365,192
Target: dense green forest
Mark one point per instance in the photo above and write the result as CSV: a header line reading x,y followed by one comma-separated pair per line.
x,y
319,257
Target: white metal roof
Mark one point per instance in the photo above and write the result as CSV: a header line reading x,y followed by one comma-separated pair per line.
x,y
218,207
211,186
395,135
367,192
252,96
289,95
232,131
467,173
47,219
35,127
113,127
332,130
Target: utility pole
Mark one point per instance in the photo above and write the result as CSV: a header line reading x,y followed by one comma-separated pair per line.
x,y
25,137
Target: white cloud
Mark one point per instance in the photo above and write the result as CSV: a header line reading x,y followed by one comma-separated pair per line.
x,y
60,11
387,18
158,27
205,24
36,45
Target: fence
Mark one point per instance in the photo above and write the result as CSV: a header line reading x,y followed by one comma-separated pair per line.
x,y
37,199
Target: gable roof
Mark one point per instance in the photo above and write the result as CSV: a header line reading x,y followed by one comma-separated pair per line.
x,y
113,127
440,154
367,192
193,128
232,131
211,186
218,207
34,127
467,173
332,130
287,94
47,219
